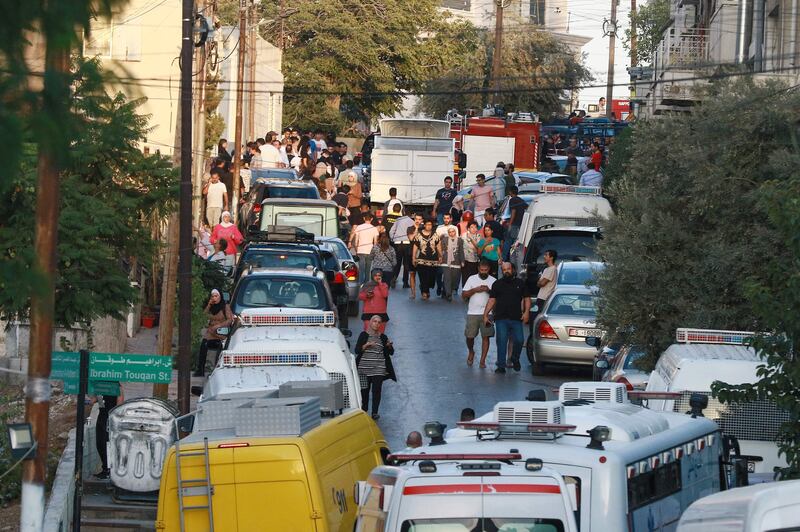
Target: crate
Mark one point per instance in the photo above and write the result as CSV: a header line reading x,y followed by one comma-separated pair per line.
x,y
330,393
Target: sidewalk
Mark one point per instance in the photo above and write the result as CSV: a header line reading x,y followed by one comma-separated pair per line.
x,y
146,342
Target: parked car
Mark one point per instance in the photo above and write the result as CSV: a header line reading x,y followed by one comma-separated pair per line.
x,y
573,244
265,188
560,331
621,366
349,268
270,254
282,288
578,273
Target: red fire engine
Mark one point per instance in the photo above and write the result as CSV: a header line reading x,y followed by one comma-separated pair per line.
x,y
488,140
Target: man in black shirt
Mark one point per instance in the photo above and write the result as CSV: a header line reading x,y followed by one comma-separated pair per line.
x,y
511,303
444,200
518,207
497,228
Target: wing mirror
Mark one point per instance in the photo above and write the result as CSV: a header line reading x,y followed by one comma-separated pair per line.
x,y
601,364
593,341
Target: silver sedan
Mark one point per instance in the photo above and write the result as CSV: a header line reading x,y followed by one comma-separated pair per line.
x,y
560,332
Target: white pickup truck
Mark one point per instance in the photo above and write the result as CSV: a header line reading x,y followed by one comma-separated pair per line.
x,y
413,156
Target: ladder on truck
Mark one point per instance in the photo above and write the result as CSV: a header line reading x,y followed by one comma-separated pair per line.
x,y
194,487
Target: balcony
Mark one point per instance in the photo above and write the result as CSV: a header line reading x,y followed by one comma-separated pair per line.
x,y
685,51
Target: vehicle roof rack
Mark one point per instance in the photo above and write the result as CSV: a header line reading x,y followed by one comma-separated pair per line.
x,y
711,336
409,457
283,233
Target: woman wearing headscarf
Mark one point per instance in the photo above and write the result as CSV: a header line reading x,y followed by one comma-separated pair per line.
x,y
227,229
356,194
219,315
452,260
375,295
374,363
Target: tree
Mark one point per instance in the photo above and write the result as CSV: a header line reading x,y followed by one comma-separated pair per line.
x,y
536,77
347,61
109,191
650,20
774,292
690,229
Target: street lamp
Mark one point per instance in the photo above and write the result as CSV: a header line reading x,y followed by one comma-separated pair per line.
x,y
20,436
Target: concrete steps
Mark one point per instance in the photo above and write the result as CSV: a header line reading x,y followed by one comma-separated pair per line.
x,y
99,511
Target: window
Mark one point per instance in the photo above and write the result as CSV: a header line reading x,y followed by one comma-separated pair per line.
x,y
122,42
461,5
259,292
291,192
583,305
279,259
98,41
649,487
537,12
577,246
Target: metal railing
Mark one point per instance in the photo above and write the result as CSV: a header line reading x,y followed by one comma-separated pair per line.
x,y
687,49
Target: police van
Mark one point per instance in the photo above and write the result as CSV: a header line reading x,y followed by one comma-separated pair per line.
x,y
271,346
689,367
591,461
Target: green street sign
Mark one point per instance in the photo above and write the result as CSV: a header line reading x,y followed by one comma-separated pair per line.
x,y
110,368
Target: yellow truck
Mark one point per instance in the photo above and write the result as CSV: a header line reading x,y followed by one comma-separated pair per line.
x,y
302,481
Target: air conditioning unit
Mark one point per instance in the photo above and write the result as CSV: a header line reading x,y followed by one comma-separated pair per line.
x,y
597,392
529,412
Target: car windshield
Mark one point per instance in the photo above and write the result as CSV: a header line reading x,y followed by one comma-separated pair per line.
x,y
583,305
270,258
483,524
634,355
339,249
573,246
291,292
276,191
579,276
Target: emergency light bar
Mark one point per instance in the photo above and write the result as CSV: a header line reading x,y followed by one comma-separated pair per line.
x,y
543,428
711,336
551,188
253,317
268,359
404,457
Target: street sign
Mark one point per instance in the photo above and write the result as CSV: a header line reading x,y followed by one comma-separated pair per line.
x,y
106,370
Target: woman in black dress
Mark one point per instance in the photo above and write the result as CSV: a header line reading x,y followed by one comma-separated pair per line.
x,y
373,361
426,255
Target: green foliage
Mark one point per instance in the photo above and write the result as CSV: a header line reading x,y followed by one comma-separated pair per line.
x,y
619,154
205,277
347,61
109,191
774,290
215,124
649,20
535,70
690,227
12,412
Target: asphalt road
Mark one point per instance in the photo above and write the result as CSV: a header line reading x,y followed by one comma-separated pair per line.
x,y
433,380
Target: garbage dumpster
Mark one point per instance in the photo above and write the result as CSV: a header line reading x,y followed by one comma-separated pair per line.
x,y
140,432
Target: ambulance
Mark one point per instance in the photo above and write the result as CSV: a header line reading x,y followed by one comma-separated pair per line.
x,y
270,346
690,366
591,461
272,464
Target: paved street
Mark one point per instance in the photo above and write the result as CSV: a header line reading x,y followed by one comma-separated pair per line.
x,y
434,382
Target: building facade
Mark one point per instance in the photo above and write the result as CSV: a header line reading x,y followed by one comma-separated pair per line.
x,y
712,39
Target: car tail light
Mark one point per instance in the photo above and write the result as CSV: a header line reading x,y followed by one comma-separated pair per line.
x,y
338,278
546,331
626,382
352,274
257,208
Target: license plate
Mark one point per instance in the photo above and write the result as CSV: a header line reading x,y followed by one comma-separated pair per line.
x,y
751,467
584,333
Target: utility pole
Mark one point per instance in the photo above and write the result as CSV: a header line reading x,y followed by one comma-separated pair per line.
x,y
610,29
634,59
237,161
200,120
185,212
169,282
497,54
37,389
282,15
251,101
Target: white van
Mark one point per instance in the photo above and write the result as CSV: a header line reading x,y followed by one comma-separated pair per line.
x,y
697,359
270,347
764,507
623,467
316,216
561,206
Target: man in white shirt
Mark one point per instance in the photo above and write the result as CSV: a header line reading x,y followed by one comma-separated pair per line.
x,y
591,177
319,141
282,153
476,293
216,197
362,238
270,157
547,280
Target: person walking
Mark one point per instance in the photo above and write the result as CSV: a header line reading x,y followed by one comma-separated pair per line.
x,y
383,258
441,231
452,259
398,234
216,194
106,403
219,315
482,197
426,257
411,234
476,294
227,229
489,249
362,238
518,207
374,363
443,202
510,301
471,238
375,296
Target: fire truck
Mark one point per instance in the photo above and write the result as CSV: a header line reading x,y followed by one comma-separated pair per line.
x,y
487,140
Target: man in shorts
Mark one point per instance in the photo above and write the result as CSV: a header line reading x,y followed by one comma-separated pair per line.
x,y
476,293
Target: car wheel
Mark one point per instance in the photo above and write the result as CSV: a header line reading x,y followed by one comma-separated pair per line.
x,y
537,367
352,308
529,350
